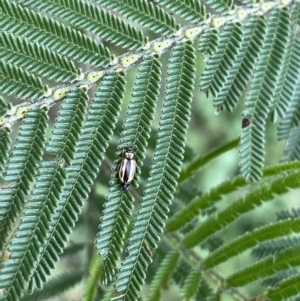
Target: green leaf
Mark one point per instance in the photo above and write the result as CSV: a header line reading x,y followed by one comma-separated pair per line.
x,y
214,195
3,107
205,292
82,171
145,13
191,10
266,267
36,58
191,285
4,149
67,126
274,247
137,128
220,62
273,281
209,42
19,82
163,275
292,148
161,184
242,205
287,106
56,286
32,232
251,239
46,31
238,76
284,93
259,97
203,160
90,290
220,5
286,289
21,170
87,16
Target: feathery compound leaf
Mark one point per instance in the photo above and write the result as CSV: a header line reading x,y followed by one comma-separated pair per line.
x,y
291,119
208,42
87,16
14,80
3,107
259,98
205,292
279,84
247,1
67,126
82,172
284,214
214,195
281,168
48,32
274,247
239,74
137,129
95,270
286,289
21,169
32,232
4,148
251,239
191,10
144,95
292,148
145,13
242,205
297,15
191,285
113,228
290,72
290,95
164,172
183,267
186,215
203,160
163,274
35,252
56,286
266,267
219,64
273,281
221,5
36,58
228,61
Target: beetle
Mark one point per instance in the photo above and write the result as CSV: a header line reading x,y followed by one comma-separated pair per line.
x,y
127,168
128,165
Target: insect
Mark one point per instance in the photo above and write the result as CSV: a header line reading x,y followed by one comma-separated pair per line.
x,y
128,166
246,122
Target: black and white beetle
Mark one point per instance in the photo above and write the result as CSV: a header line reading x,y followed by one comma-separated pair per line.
x,y
127,168
128,165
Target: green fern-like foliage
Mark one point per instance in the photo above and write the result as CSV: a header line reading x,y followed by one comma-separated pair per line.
x,y
140,114
166,233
